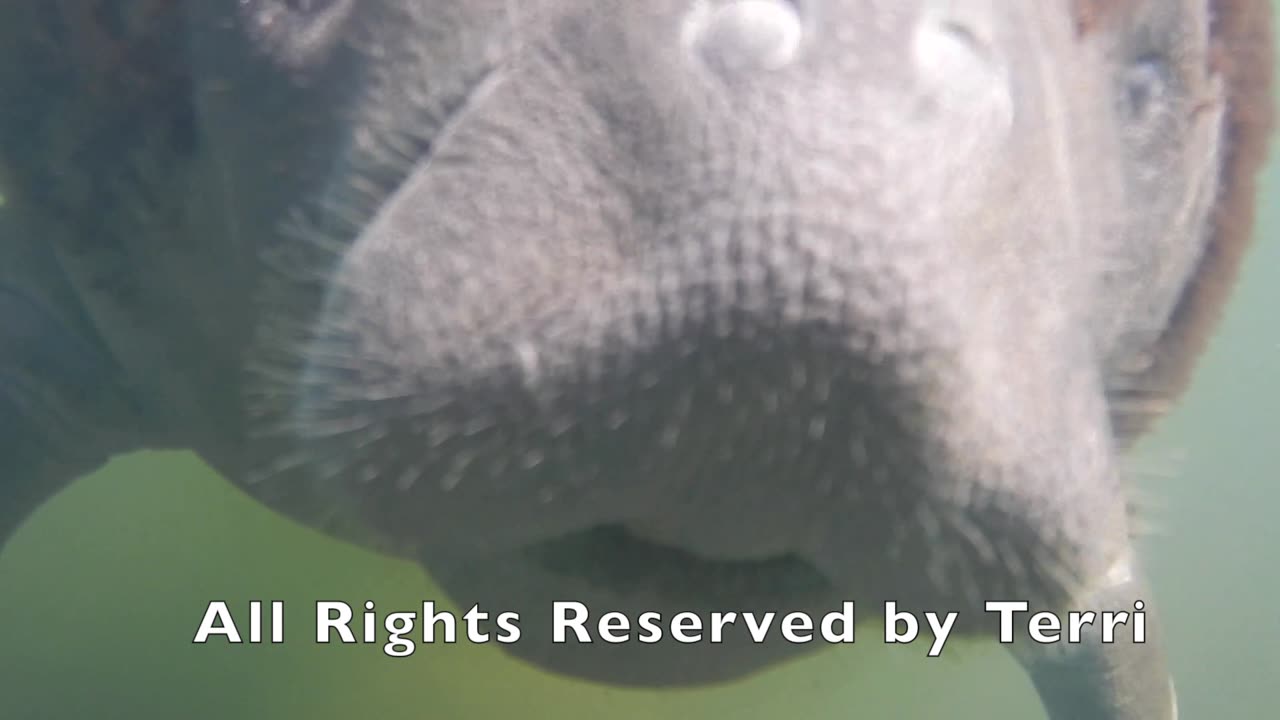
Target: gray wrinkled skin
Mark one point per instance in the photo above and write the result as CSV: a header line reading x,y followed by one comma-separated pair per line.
x,y
681,304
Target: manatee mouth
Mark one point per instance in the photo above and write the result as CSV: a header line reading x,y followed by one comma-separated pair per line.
x,y
729,392
612,558
773,464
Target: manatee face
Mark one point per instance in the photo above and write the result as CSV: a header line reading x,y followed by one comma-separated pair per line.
x,y
719,305
657,306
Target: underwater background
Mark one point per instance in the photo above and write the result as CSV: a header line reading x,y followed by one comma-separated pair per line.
x,y
102,592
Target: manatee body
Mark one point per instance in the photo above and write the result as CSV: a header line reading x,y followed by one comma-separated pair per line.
x,y
672,305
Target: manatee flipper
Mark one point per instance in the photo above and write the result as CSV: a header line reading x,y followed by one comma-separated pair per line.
x,y
28,478
62,412
1097,680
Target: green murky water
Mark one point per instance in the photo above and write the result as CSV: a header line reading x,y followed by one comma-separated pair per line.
x,y
101,592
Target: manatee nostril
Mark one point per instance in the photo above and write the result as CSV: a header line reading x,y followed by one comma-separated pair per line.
x,y
949,48
746,35
959,64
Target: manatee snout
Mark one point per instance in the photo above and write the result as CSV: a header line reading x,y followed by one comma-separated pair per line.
x,y
755,403
722,440
726,334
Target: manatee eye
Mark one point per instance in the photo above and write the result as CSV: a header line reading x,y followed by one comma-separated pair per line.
x,y
1145,90
298,33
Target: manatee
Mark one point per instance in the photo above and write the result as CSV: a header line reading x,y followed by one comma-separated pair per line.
x,y
666,305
